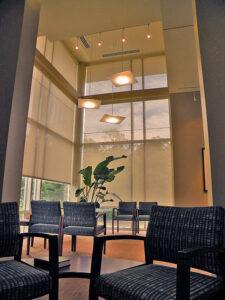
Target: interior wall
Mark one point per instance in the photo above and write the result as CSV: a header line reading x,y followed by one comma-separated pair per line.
x,y
187,136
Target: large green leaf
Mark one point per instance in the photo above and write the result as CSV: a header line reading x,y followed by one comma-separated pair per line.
x,y
87,172
113,173
78,192
105,163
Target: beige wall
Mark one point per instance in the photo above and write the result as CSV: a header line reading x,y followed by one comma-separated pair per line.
x,y
187,134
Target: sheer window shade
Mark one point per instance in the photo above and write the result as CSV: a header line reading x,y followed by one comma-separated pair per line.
x,y
155,72
148,167
50,132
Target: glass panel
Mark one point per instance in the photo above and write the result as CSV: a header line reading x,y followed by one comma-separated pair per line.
x,y
96,131
158,172
22,201
137,71
155,72
96,78
53,191
138,120
157,119
138,180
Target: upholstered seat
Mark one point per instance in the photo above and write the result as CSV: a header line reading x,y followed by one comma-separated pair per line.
x,y
185,236
125,212
81,230
124,217
81,219
143,213
45,218
153,282
16,278
48,228
143,218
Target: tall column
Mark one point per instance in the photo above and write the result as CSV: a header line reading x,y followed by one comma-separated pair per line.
x,y
18,32
210,47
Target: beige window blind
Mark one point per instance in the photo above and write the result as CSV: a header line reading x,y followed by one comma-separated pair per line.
x,y
50,132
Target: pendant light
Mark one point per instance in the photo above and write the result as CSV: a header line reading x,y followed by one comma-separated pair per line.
x,y
112,119
124,77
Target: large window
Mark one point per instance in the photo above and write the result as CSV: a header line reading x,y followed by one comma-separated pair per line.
x,y
144,137
37,189
150,73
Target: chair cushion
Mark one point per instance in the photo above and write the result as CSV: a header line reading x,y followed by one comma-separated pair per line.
x,y
21,281
81,230
152,282
124,217
143,218
44,228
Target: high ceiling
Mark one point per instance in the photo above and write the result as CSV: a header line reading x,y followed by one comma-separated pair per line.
x,y
63,19
136,39
171,23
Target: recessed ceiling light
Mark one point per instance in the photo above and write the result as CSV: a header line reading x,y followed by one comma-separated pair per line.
x,y
123,78
112,119
88,103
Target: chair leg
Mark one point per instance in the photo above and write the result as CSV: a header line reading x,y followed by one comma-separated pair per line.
x,y
73,243
60,245
104,245
92,294
28,245
54,294
45,243
32,241
118,225
112,225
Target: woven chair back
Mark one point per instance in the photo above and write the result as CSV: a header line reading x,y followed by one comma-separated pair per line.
x,y
9,229
45,212
79,214
172,229
146,207
126,208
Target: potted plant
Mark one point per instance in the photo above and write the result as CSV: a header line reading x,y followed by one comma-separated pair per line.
x,y
94,181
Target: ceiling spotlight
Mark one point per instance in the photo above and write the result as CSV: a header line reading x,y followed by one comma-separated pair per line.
x,y
88,103
123,36
99,40
123,78
77,47
148,34
112,119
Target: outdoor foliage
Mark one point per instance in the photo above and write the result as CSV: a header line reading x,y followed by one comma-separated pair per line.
x,y
94,181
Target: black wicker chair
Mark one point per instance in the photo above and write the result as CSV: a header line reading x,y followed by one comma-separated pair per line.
x,y
18,280
143,213
188,237
125,212
45,218
80,218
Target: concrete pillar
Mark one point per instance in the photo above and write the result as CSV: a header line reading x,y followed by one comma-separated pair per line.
x,y
210,39
18,32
